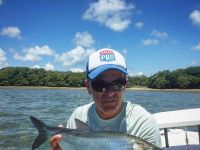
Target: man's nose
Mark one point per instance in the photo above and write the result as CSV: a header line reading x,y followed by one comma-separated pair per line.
x,y
109,92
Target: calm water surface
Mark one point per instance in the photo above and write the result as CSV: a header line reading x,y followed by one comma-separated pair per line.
x,y
55,106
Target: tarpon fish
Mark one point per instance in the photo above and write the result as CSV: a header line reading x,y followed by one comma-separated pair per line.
x,y
86,139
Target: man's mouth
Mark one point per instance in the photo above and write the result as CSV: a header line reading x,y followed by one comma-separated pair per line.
x,y
109,100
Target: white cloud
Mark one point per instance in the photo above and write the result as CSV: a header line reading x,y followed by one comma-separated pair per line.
x,y
74,56
84,39
150,42
34,53
114,14
139,74
2,55
3,59
27,57
49,66
194,62
195,17
77,70
12,32
1,2
139,25
135,73
159,34
36,67
196,47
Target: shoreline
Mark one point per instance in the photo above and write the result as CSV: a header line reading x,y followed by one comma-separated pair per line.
x,y
77,88
41,87
163,90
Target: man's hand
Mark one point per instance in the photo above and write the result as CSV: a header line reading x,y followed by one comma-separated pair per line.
x,y
55,141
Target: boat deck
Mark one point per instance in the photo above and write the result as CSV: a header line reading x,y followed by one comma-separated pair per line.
x,y
172,137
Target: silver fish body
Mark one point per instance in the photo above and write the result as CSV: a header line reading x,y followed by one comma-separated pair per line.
x,y
108,140
77,139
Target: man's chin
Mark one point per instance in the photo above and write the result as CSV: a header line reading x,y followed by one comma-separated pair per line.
x,y
109,108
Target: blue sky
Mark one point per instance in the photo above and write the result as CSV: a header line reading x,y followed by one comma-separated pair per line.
x,y
153,35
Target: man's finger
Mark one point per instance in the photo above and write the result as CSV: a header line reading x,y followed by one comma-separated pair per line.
x,y
54,141
60,125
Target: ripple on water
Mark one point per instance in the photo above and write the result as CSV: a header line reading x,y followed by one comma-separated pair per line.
x,y
55,106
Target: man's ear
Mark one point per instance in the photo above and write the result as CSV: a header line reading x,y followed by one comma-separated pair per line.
x,y
87,85
126,81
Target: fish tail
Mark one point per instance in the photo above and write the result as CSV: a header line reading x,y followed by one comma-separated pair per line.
x,y
41,127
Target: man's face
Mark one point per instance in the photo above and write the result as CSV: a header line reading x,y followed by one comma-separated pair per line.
x,y
108,102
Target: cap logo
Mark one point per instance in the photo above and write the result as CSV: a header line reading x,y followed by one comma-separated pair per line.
x,y
107,55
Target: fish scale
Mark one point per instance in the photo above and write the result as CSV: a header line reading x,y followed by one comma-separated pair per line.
x,y
98,141
85,139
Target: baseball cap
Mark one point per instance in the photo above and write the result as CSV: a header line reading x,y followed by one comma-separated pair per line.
x,y
105,59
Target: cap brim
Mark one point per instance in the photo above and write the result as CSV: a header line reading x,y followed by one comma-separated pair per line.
x,y
93,74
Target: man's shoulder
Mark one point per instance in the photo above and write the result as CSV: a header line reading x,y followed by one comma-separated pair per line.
x,y
137,114
82,110
80,113
142,124
135,108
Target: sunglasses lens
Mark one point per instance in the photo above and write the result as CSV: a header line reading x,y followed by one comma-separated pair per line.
x,y
118,84
101,85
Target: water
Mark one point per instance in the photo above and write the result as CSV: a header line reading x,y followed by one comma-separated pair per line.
x,y
55,106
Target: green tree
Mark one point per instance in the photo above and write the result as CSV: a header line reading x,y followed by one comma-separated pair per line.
x,y
74,81
137,81
183,82
24,76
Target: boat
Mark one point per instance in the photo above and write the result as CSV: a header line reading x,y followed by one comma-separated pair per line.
x,y
177,129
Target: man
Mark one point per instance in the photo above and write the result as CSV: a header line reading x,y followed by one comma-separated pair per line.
x,y
106,81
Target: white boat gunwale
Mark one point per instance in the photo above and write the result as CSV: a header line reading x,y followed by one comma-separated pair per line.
x,y
178,118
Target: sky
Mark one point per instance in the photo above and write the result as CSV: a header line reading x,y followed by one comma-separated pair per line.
x,y
152,35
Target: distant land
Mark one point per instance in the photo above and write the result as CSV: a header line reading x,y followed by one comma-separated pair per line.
x,y
187,78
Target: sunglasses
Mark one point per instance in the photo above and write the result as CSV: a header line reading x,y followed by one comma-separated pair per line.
x,y
101,85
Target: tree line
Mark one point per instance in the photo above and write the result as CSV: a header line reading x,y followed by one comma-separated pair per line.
x,y
188,78
24,76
